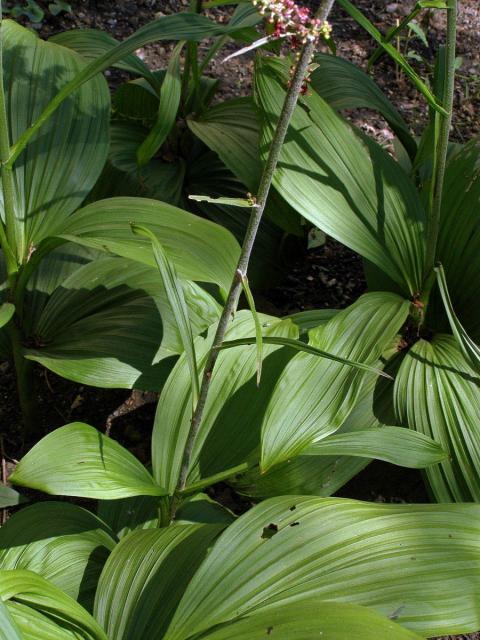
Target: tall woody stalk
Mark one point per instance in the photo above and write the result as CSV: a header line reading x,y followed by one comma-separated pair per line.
x,y
433,227
288,108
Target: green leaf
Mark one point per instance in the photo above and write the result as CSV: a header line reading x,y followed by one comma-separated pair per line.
x,y
470,350
201,509
179,26
170,94
308,618
393,444
199,249
104,322
145,577
298,345
8,629
388,557
40,610
258,326
345,86
93,43
313,396
176,300
393,53
127,514
9,497
85,464
56,172
436,392
343,182
314,475
230,429
459,241
6,313
61,542
232,202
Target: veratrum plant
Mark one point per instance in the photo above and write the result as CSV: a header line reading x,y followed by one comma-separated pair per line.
x,y
403,216
80,291
170,143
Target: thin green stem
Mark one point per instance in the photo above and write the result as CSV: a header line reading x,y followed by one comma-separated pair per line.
x,y
433,227
288,108
25,379
8,233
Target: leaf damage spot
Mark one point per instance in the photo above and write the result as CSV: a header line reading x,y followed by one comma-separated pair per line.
x,y
270,531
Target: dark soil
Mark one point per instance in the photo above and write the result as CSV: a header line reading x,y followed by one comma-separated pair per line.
x,y
329,276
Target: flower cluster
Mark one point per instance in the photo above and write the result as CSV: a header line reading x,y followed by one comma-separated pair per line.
x,y
291,21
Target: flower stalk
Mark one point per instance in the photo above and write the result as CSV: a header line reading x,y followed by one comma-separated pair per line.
x,y
294,91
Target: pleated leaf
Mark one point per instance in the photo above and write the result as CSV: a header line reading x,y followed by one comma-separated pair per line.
x,y
6,313
78,460
308,618
128,514
9,497
170,94
103,323
469,348
61,542
313,396
41,610
345,86
418,564
146,576
391,444
436,392
459,239
313,475
176,301
8,628
199,249
56,172
343,182
93,43
230,428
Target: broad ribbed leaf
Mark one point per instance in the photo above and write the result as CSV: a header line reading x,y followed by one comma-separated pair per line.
x,y
93,43
40,610
343,182
392,444
9,497
6,313
199,249
313,396
103,324
61,542
459,239
345,86
418,564
56,172
469,348
170,94
145,577
78,460
176,300
8,628
230,428
313,475
308,618
127,514
437,393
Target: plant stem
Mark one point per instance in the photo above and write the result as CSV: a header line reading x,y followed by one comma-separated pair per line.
x,y
288,108
433,226
8,230
25,380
